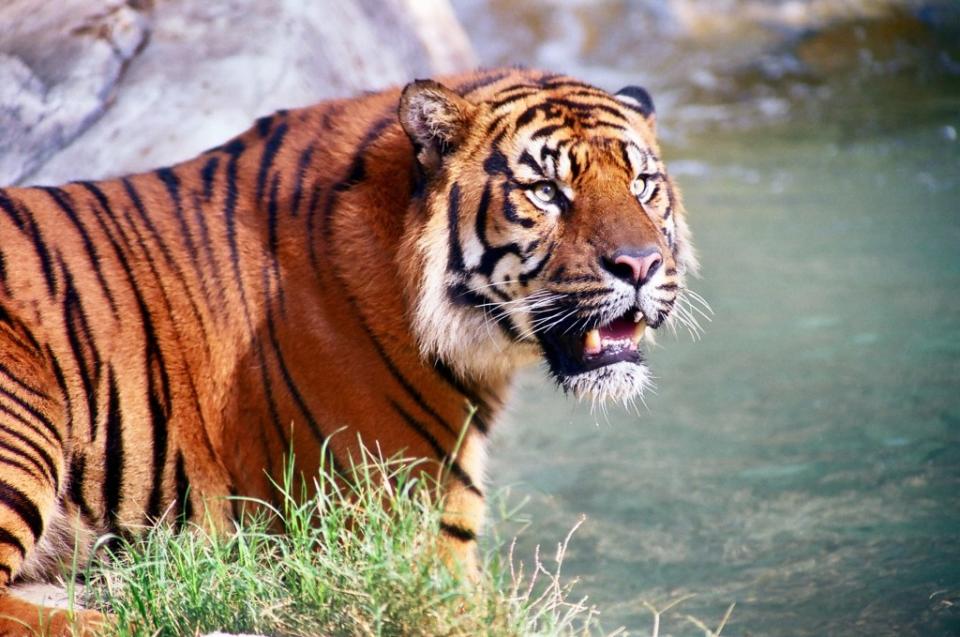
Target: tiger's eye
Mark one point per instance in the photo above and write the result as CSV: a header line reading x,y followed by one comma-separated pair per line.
x,y
643,187
545,191
640,185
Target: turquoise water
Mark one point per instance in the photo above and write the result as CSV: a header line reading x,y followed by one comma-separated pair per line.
x,y
803,458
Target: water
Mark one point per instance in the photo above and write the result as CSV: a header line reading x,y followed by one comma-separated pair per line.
x,y
803,458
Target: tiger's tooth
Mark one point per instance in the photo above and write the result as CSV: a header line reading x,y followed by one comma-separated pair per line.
x,y
638,331
591,342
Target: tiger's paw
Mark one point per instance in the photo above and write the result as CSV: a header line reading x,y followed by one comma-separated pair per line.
x,y
20,618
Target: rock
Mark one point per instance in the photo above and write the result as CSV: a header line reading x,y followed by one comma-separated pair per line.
x,y
211,68
50,595
59,64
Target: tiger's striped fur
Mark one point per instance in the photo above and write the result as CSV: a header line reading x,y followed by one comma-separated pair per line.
x,y
167,337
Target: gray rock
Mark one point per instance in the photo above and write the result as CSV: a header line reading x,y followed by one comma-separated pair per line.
x,y
50,595
211,68
59,64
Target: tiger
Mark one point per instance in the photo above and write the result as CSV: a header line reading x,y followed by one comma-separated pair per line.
x,y
379,266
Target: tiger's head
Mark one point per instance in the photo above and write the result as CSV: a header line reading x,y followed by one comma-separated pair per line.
x,y
547,228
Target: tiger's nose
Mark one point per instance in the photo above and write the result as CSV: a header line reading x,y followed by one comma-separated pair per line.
x,y
634,265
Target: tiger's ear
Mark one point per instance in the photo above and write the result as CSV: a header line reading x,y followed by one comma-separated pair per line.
x,y
638,99
435,118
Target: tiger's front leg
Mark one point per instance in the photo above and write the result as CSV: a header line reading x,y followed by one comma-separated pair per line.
x,y
34,441
462,520
464,505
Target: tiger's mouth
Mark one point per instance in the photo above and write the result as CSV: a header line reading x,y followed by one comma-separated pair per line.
x,y
570,353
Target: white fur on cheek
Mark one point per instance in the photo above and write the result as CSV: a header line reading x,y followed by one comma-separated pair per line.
x,y
462,337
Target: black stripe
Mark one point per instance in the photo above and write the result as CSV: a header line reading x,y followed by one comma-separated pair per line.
x,y
458,532
184,504
496,163
33,411
569,83
37,473
30,389
18,502
491,254
410,389
263,125
524,277
357,170
273,238
270,150
51,470
455,252
302,166
64,390
46,260
158,385
442,455
209,176
199,215
515,96
268,394
291,384
154,351
548,130
78,469
586,107
172,183
602,123
527,158
530,113
560,277
234,149
159,402
62,199
354,175
84,351
7,205
22,222
625,154
522,85
8,538
473,399
485,80
114,454
391,366
9,412
575,168
137,201
510,209
462,295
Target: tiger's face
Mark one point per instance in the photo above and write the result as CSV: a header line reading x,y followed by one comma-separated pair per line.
x,y
552,231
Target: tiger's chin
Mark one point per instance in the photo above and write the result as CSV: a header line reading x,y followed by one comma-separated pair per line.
x,y
618,382
605,364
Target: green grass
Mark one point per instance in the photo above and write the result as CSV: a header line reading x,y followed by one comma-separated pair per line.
x,y
352,560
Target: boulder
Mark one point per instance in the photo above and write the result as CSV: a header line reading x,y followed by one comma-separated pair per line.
x,y
59,65
206,72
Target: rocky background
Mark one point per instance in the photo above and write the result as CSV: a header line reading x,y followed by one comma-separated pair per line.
x,y
94,88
